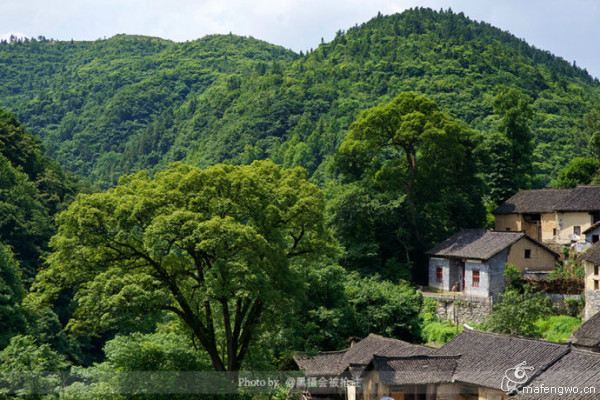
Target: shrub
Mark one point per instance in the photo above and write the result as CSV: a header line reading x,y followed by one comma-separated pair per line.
x,y
516,312
513,278
440,332
433,329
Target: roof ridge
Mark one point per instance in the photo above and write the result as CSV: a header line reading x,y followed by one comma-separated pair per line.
x,y
419,356
505,335
304,354
375,335
586,351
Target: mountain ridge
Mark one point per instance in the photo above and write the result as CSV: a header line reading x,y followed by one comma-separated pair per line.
x,y
113,106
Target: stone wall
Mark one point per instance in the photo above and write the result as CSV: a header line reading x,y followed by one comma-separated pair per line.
x,y
592,303
462,309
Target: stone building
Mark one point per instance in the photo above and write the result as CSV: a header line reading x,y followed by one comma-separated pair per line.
x,y
473,260
557,216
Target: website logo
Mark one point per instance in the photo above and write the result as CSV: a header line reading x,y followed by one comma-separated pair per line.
x,y
516,376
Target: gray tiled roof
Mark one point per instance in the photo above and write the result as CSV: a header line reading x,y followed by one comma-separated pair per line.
x,y
578,369
478,244
322,364
592,254
588,334
581,198
485,357
533,201
415,370
360,354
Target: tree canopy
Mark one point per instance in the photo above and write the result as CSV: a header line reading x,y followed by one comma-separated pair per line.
x,y
219,247
412,165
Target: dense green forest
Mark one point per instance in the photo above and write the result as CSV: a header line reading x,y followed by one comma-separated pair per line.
x,y
219,204
113,106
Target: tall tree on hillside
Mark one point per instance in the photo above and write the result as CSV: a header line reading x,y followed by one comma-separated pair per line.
x,y
591,122
221,248
513,108
411,166
494,152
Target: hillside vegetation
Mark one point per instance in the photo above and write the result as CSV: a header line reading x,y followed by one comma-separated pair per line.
x,y
113,106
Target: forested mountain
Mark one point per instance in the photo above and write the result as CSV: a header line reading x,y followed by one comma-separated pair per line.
x,y
32,189
112,106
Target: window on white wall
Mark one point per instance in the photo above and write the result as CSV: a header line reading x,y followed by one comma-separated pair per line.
x,y
475,280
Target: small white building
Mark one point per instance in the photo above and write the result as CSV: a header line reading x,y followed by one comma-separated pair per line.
x,y
472,261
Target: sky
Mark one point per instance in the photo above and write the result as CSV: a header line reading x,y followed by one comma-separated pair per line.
x,y
567,28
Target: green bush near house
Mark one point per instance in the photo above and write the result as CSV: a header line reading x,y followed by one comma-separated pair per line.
x,y
433,330
440,332
557,328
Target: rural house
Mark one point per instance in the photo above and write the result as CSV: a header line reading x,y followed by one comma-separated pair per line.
x,y
473,366
556,216
413,377
350,363
472,261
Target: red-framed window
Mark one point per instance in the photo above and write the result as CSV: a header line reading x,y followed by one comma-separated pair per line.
x,y
439,274
475,282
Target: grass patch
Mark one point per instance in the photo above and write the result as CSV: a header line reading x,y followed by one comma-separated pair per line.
x,y
557,328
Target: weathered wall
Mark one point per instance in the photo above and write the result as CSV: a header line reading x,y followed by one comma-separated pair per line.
x,y
491,394
372,387
533,229
541,259
592,303
461,309
509,222
450,391
496,273
548,221
434,263
484,282
566,222
592,297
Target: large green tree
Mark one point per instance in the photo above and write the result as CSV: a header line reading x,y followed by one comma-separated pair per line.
x,y
579,171
408,171
591,121
219,247
513,107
